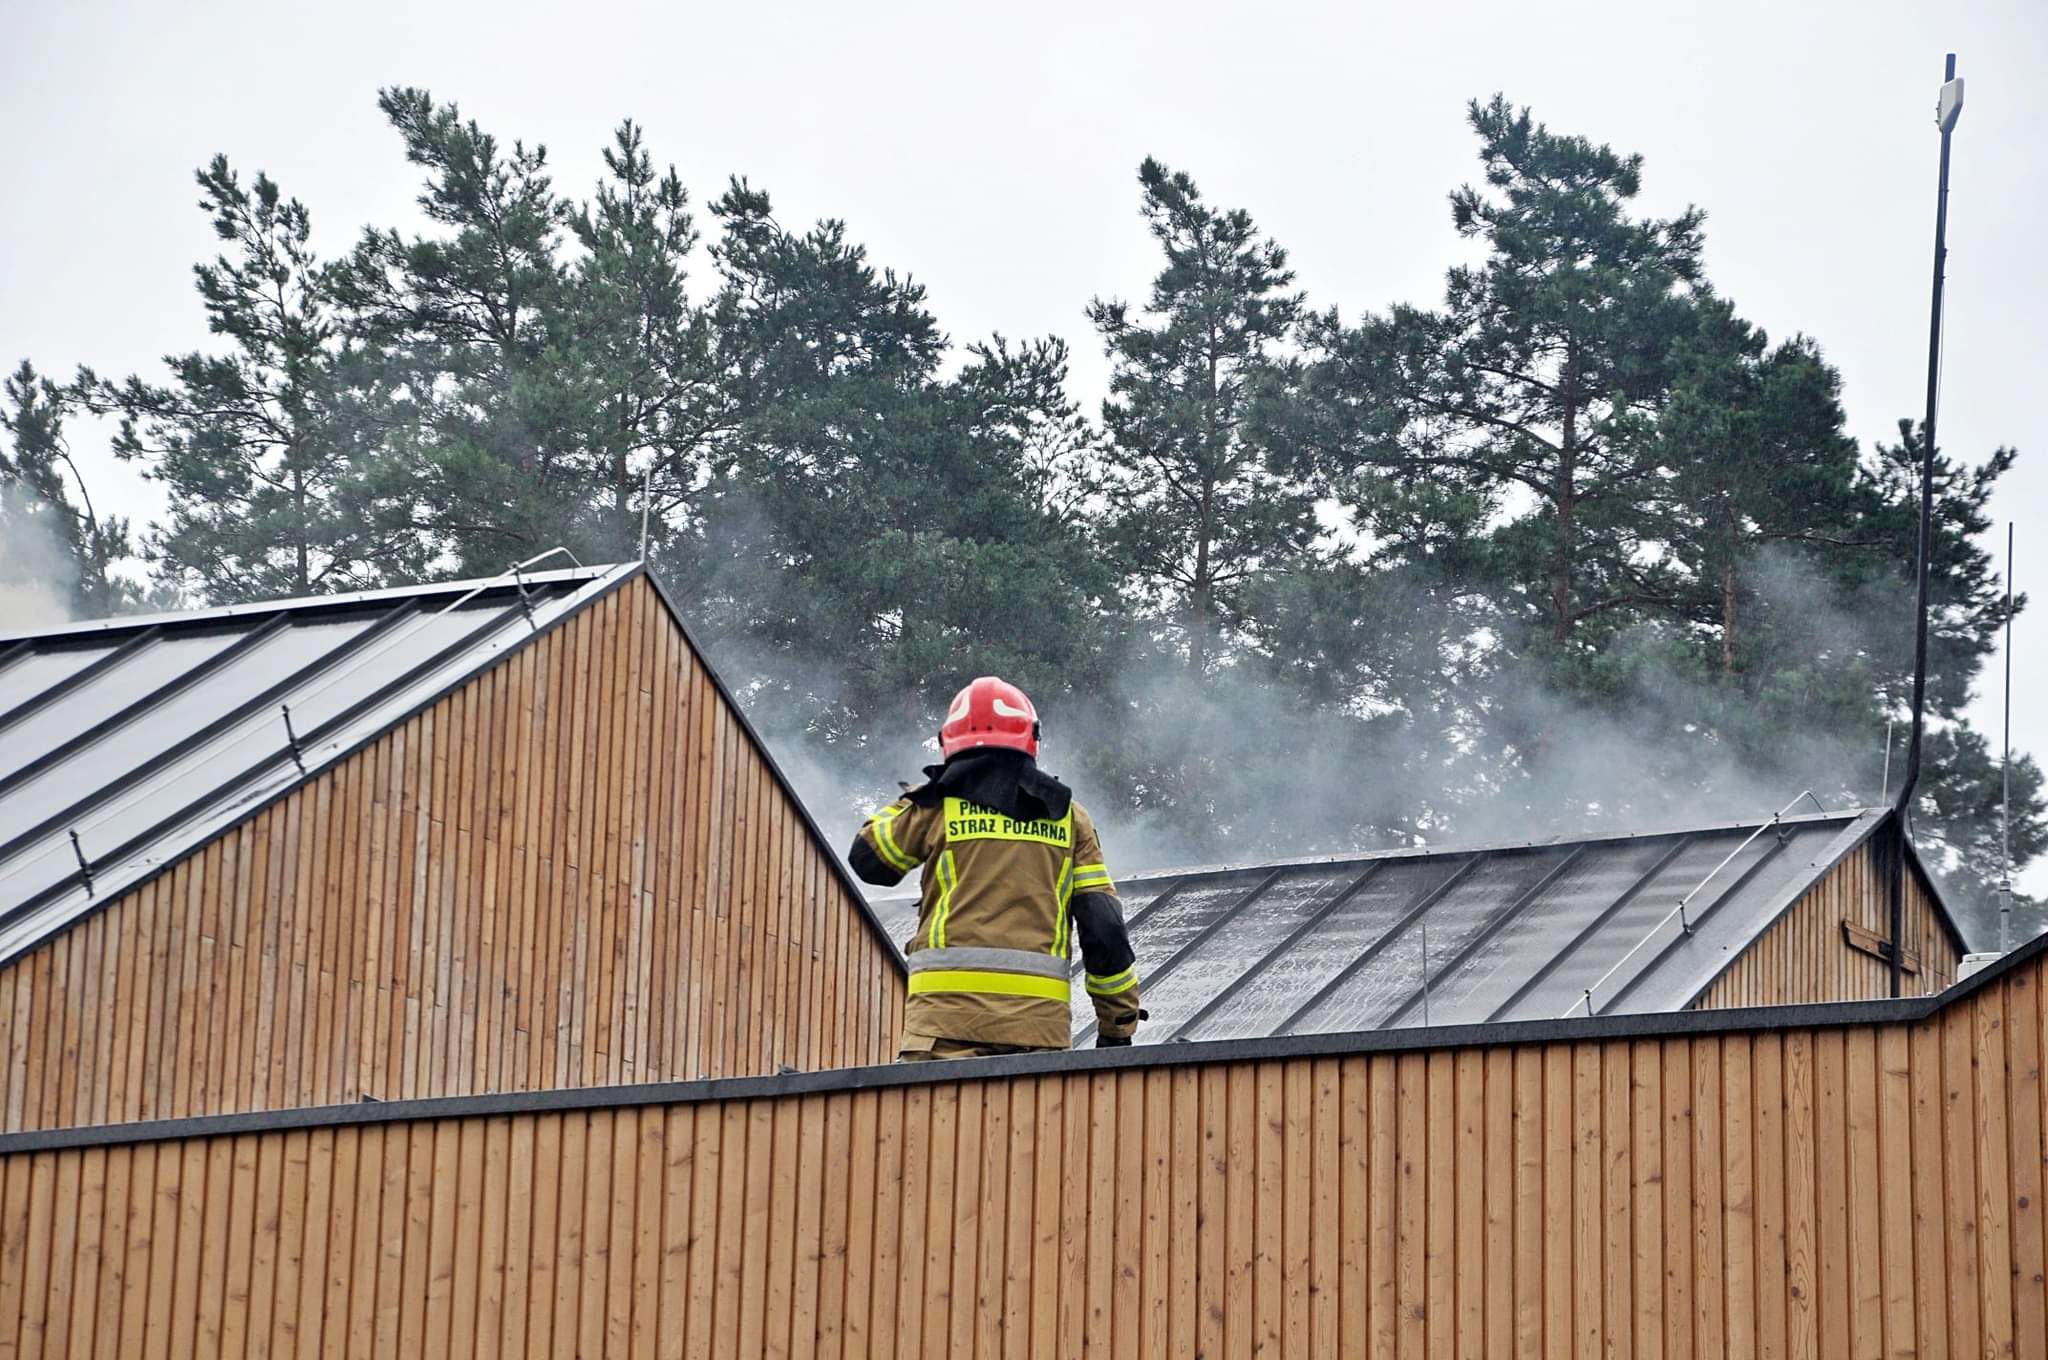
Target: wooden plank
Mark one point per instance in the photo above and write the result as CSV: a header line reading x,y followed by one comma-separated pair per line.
x,y
1531,1247
780,1228
1268,1281
478,1237
1708,1200
1801,1269
1411,1194
1099,1213
844,1144
999,1194
1894,1188
1994,1192
1866,1293
1738,1196
1831,1236
1239,1245
1325,1179
967,1222
1930,1208
1767,1075
2023,1096
915,1156
1588,1174
863,1235
124,1296
1466,1250
755,1231
1558,1151
706,1180
1187,1144
678,1239
1645,1197
440,1260
1048,1208
608,1269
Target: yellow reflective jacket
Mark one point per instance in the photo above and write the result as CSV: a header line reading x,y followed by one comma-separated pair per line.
x,y
1002,902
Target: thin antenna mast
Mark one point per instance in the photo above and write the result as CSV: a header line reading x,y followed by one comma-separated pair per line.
x,y
2005,772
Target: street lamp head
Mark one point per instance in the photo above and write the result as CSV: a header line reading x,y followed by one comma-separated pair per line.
x,y
1950,106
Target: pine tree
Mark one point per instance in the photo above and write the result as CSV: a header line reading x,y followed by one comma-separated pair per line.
x,y
1535,384
1758,458
659,407
1193,517
254,446
466,354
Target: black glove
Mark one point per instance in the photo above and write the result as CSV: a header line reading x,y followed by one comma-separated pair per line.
x,y
1112,1041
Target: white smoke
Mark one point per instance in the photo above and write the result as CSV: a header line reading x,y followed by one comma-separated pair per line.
x,y
37,573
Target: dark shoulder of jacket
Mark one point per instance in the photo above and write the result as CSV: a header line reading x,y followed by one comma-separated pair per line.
x,y
870,867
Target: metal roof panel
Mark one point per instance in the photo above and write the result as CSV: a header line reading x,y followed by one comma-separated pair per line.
x,y
146,738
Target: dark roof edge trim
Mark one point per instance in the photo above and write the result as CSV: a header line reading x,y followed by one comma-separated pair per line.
x,y
620,576
818,838
1933,891
1650,1025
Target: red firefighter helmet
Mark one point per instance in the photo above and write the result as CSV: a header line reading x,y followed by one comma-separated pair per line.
x,y
990,712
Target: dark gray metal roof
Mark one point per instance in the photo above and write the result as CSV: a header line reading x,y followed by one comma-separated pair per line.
x,y
126,744
1511,932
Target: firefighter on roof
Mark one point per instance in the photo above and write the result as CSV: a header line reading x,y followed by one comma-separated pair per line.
x,y
1013,873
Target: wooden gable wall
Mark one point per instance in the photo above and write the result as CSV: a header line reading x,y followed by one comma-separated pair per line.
x,y
576,869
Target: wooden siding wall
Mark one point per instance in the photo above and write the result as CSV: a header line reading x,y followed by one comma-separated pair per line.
x,y
1840,1192
1803,957
574,870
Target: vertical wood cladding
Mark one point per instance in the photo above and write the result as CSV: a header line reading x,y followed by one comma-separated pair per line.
x,y
1861,1190
574,870
1804,956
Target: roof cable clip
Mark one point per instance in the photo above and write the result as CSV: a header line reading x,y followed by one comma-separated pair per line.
x,y
1684,925
298,757
84,865
1589,1003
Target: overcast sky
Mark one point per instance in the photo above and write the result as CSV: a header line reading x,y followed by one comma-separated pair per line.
x,y
992,154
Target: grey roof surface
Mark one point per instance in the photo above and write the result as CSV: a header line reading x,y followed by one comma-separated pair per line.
x,y
127,744
1519,932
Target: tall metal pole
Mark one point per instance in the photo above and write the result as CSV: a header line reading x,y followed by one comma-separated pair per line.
x,y
1912,776
2005,772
